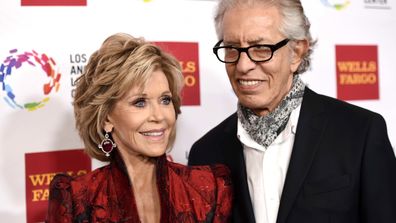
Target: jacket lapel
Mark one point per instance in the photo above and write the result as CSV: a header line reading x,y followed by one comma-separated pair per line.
x,y
311,124
120,192
243,210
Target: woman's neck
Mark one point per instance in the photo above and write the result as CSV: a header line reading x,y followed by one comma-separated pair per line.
x,y
142,174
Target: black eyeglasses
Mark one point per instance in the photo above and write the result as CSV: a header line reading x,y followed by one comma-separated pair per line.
x,y
257,53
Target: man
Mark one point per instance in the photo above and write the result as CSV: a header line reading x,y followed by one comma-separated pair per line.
x,y
295,156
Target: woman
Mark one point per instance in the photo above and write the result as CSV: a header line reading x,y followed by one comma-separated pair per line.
x,y
126,105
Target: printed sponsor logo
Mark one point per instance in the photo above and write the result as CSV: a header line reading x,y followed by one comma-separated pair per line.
x,y
40,169
336,4
357,72
78,62
376,4
187,54
28,79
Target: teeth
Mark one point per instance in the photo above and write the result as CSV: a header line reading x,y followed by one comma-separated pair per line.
x,y
248,83
153,133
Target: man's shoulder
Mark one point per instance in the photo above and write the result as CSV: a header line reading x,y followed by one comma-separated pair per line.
x,y
224,129
338,107
209,149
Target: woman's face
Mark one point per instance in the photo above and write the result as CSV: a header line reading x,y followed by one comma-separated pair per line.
x,y
142,121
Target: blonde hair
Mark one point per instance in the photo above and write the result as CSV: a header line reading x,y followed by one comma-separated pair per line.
x,y
295,25
122,62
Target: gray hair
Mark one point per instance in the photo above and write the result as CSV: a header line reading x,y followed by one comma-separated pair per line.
x,y
295,25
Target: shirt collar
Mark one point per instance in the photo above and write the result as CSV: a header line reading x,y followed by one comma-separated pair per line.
x,y
289,130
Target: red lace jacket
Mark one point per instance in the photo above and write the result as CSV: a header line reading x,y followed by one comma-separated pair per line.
x,y
187,194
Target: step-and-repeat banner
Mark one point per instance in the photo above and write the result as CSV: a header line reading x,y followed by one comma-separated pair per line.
x,y
45,44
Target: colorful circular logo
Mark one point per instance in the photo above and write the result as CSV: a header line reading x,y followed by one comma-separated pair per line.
x,y
336,4
23,85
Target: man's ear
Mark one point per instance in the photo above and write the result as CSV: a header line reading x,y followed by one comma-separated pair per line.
x,y
300,48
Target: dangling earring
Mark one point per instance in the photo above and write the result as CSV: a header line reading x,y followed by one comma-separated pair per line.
x,y
107,145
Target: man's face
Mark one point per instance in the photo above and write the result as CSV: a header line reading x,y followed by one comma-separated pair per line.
x,y
259,86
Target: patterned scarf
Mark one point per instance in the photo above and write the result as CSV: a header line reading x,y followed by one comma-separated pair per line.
x,y
265,129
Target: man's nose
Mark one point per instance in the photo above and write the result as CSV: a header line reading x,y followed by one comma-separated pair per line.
x,y
244,64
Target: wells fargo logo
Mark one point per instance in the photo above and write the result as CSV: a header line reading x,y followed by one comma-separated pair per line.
x,y
357,72
187,54
41,169
27,79
53,2
336,4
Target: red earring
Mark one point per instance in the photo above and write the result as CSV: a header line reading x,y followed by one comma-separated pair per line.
x,y
107,145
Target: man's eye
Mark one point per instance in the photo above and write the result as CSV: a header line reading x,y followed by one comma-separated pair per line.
x,y
261,51
140,102
166,100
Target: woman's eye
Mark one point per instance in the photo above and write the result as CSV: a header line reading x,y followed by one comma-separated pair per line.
x,y
140,102
166,100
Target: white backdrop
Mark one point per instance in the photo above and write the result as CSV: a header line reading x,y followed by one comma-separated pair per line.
x,y
65,33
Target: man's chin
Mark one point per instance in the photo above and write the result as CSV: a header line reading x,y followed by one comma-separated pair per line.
x,y
254,105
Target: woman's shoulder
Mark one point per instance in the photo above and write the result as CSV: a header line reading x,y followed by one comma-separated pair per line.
x,y
202,191
65,181
204,172
69,195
